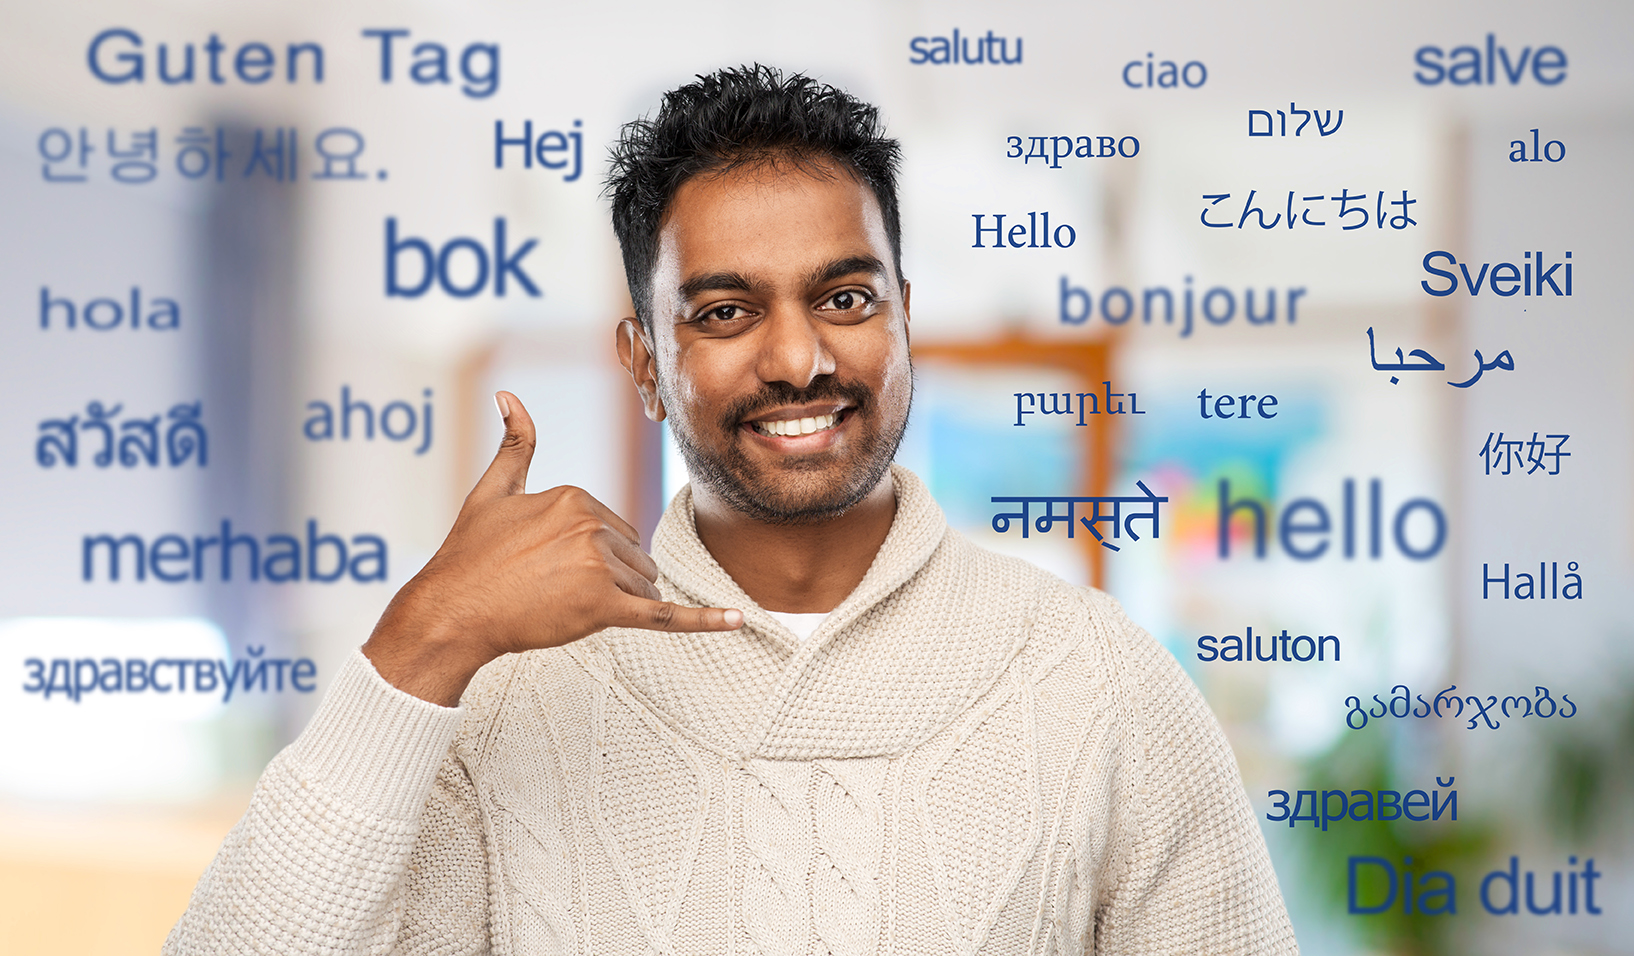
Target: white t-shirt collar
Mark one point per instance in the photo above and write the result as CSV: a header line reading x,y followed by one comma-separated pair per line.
x,y
803,625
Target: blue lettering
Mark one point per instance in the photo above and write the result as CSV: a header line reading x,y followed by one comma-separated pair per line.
x,y
1469,65
435,266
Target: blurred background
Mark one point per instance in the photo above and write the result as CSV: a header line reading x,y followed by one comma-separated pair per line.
x,y
200,242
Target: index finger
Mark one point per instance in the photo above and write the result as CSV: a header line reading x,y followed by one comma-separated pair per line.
x,y
663,616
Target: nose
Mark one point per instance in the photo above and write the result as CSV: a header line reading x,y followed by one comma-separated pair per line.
x,y
792,348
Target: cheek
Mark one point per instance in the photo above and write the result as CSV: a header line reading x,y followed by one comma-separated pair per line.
x,y
700,378
894,371
895,397
674,386
681,399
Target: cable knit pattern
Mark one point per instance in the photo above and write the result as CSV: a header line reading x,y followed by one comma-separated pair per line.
x,y
530,820
649,806
969,756
978,804
847,818
777,834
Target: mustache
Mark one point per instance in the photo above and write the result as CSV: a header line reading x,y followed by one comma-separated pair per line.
x,y
773,394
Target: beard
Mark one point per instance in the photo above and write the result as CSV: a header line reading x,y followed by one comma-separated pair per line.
x,y
800,489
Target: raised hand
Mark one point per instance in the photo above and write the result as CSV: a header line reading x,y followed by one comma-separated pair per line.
x,y
520,572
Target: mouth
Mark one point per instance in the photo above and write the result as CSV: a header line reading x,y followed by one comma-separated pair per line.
x,y
797,427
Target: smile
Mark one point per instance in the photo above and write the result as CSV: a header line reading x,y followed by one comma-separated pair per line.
x,y
797,426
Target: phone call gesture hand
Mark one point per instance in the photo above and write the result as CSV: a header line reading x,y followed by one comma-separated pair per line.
x,y
520,572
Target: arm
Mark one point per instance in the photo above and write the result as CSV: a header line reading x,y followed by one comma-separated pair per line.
x,y
316,865
1196,878
364,831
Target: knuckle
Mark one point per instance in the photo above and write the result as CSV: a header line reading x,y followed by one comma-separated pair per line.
x,y
514,439
570,499
561,499
664,614
586,526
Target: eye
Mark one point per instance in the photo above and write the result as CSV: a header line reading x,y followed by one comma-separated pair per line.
x,y
722,316
848,300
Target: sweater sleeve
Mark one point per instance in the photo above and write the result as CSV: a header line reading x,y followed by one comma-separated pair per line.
x,y
1196,878
359,839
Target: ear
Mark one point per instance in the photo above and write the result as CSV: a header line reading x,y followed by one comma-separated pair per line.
x,y
635,353
907,316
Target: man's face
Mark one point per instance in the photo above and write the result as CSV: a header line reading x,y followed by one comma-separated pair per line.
x,y
780,336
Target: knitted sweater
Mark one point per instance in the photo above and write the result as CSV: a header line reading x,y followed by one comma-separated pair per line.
x,y
969,756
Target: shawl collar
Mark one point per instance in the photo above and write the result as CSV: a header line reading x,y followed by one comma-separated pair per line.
x,y
931,627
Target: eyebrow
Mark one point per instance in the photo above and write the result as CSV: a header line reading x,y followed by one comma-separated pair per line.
x,y
851,265
716,282
738,282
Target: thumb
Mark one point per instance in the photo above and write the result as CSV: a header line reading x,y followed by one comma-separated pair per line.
x,y
508,473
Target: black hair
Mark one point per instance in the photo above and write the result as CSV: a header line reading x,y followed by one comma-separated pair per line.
x,y
734,118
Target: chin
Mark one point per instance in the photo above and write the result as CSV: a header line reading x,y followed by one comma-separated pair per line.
x,y
796,490
799,497
793,494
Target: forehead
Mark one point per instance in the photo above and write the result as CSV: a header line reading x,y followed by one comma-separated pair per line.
x,y
767,221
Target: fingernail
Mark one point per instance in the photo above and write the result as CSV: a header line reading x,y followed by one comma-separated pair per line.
x,y
504,406
734,618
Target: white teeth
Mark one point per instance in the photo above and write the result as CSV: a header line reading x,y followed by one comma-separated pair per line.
x,y
798,426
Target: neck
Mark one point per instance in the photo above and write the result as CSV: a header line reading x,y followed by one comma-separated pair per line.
x,y
800,568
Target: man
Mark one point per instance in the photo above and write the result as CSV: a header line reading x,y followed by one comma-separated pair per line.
x,y
815,720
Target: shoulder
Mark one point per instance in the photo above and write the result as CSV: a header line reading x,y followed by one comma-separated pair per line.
x,y
1162,721
1101,684
1082,645
1078,630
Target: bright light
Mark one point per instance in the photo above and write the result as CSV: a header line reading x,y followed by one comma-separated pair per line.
x,y
107,746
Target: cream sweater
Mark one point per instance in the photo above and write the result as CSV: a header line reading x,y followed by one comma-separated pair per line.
x,y
969,756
